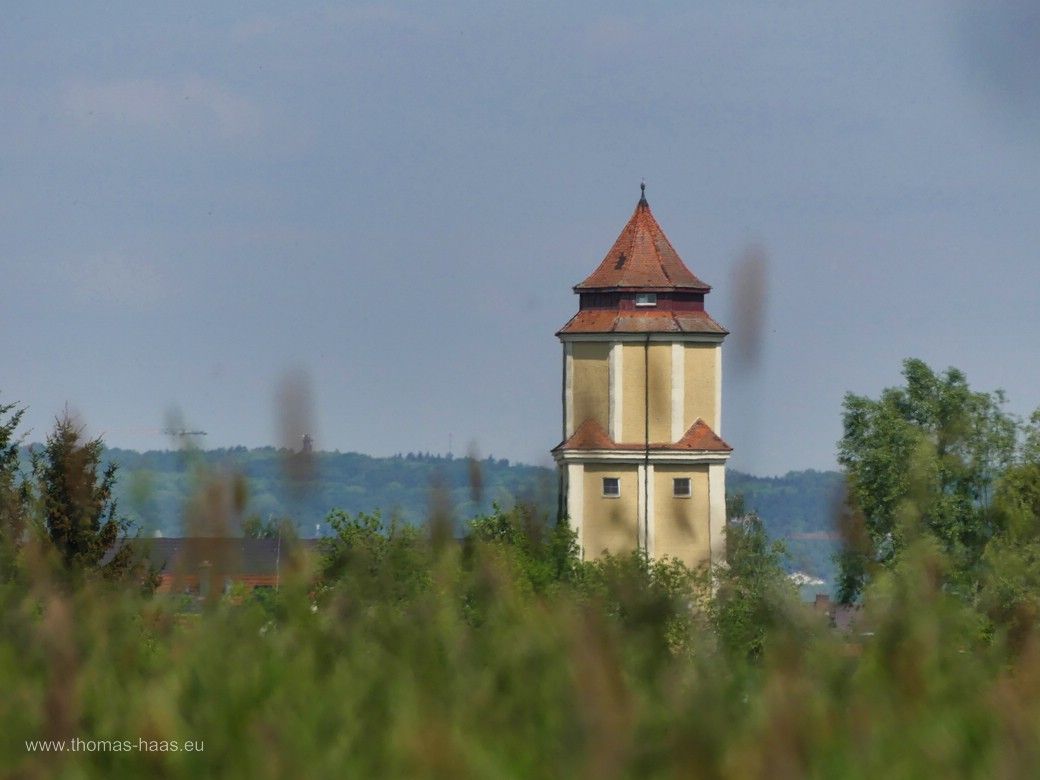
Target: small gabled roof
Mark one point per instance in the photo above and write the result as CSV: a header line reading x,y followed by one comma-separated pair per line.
x,y
591,436
642,258
701,437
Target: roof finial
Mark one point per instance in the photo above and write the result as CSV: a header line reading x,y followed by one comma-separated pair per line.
x,y
642,194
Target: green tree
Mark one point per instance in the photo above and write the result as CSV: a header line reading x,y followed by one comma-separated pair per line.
x,y
78,513
545,554
736,506
13,491
1010,592
650,601
752,591
374,561
923,458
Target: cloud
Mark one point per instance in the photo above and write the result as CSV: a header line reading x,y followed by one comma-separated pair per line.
x,y
178,105
114,279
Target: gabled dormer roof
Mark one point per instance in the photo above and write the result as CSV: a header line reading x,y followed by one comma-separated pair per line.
x,y
642,258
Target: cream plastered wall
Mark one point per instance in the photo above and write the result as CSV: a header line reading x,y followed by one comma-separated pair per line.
x,y
609,523
591,385
660,396
681,524
699,384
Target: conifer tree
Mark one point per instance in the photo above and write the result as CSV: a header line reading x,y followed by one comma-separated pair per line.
x,y
79,514
13,492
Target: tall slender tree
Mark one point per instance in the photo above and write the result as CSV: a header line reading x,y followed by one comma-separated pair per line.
x,y
79,513
13,490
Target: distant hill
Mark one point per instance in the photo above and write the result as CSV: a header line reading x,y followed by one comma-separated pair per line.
x,y
154,487
798,508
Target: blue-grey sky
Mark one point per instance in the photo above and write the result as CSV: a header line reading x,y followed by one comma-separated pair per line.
x,y
396,199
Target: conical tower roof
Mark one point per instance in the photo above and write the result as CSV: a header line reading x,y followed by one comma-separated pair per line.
x,y
642,258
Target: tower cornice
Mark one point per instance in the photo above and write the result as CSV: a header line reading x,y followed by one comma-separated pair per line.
x,y
639,456
639,338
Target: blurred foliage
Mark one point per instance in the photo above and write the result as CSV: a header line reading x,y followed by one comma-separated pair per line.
x,y
504,656
394,651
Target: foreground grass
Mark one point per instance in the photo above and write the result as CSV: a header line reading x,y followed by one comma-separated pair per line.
x,y
430,661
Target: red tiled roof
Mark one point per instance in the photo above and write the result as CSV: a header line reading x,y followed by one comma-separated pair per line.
x,y
630,321
642,258
235,557
591,436
701,437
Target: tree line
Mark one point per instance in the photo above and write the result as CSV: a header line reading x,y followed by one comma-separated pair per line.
x,y
154,488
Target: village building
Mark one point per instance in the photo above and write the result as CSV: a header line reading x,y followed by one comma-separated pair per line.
x,y
201,566
642,462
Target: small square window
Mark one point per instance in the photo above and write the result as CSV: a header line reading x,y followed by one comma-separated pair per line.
x,y
611,487
646,299
681,487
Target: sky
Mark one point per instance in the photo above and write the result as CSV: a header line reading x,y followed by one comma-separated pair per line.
x,y
379,210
